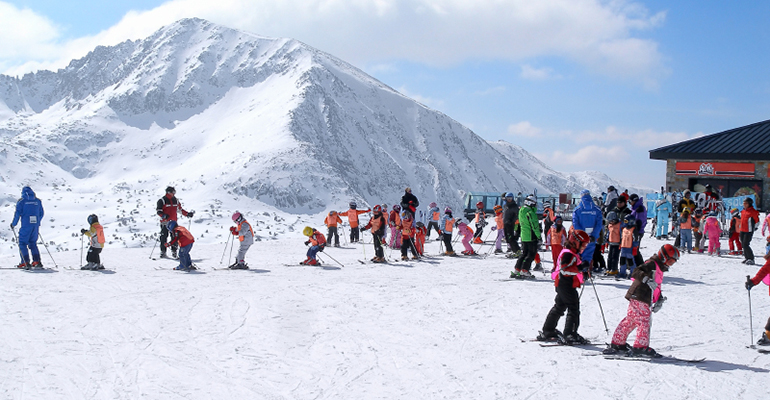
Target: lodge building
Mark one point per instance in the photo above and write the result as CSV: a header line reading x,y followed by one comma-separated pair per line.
x,y
736,162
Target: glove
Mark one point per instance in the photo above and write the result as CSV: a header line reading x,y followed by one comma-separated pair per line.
x,y
233,230
650,282
749,283
364,228
190,214
658,304
494,228
83,231
307,242
13,226
167,245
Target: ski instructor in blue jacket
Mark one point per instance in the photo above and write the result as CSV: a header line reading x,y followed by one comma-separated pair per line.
x,y
29,209
587,217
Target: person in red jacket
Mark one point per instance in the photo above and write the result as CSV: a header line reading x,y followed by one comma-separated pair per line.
x,y
352,215
185,240
750,283
749,221
422,231
568,278
167,209
317,243
735,237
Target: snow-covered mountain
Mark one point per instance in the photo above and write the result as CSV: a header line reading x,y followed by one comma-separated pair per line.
x,y
237,120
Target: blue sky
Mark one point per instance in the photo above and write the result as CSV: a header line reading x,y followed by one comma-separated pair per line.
x,y
582,84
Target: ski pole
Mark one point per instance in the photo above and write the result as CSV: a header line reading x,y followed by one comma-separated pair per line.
x,y
154,244
49,251
16,238
335,260
81,249
363,246
751,319
227,243
232,244
484,241
606,329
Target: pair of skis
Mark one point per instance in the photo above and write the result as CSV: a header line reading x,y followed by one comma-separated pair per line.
x,y
620,356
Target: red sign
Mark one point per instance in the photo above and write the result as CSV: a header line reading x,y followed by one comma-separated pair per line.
x,y
716,169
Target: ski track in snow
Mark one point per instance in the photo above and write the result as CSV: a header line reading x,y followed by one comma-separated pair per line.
x,y
445,329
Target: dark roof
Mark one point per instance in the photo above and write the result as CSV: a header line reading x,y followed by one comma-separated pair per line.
x,y
750,142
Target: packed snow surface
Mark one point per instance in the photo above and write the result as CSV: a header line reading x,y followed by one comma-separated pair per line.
x,y
442,328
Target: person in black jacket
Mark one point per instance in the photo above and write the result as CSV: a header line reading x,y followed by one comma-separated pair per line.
x,y
510,224
409,201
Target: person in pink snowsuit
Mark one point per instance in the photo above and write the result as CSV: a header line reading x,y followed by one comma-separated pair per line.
x,y
467,233
713,229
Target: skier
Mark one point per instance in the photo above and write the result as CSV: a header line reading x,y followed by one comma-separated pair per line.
x,y
467,233
167,209
613,239
407,230
29,211
96,241
640,215
511,225
435,216
447,223
568,277
331,222
763,275
352,215
548,220
394,221
644,296
377,224
697,220
481,221
499,227
419,240
587,217
610,202
749,221
713,229
686,203
182,237
530,236
685,230
735,242
662,213
409,201
765,222
712,199
245,236
317,243
627,246
558,237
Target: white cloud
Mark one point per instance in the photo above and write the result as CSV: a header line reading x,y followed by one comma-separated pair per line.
x,y
647,138
591,156
524,128
24,34
537,74
597,34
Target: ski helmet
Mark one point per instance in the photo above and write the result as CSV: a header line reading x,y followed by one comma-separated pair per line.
x,y
447,210
668,252
92,218
431,205
237,216
171,225
578,238
480,204
611,188
612,217
509,195
419,224
377,209
629,220
307,231
397,208
530,201
558,219
698,211
171,190
498,208
353,205
634,197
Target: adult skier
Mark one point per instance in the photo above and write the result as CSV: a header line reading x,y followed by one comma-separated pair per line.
x,y
762,276
662,212
409,201
530,236
511,225
245,235
167,208
587,217
29,210
568,278
96,241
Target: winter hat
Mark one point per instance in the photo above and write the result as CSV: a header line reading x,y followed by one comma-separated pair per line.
x,y
480,204
557,219
408,190
171,190
447,210
397,208
431,205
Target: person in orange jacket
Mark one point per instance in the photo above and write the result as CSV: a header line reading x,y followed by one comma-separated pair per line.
x,y
96,243
422,232
558,236
331,222
749,221
499,227
394,221
183,237
317,243
378,224
407,228
352,215
480,220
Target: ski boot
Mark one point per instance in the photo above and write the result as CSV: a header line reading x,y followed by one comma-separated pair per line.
x,y
748,262
554,336
313,262
240,265
181,268
174,254
538,267
98,267
163,255
498,251
22,265
574,338
36,265
415,257
450,253
764,340
478,240
515,274
647,352
525,274
404,258
306,262
616,349
88,267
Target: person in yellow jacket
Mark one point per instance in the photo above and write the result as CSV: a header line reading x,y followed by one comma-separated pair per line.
x,y
96,243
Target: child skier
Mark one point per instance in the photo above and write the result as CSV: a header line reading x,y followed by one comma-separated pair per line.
x,y
558,237
697,233
407,230
447,223
613,239
685,230
245,236
568,278
467,233
499,227
713,229
763,275
421,231
627,247
185,240
352,215
644,296
481,221
735,242
377,224
317,243
331,222
435,216
96,241
394,221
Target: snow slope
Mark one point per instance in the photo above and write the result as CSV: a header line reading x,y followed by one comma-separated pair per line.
x,y
445,328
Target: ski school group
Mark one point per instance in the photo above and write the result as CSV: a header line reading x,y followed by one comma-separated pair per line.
x,y
617,227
